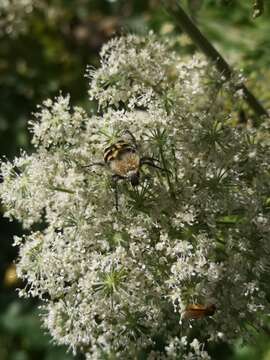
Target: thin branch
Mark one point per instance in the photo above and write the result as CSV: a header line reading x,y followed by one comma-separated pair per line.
x,y
175,10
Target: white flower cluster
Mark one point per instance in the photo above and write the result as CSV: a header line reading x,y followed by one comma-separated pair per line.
x,y
116,284
12,14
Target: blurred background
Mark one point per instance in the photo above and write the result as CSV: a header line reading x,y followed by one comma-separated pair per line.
x,y
45,47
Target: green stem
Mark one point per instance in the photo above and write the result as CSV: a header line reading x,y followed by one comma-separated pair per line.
x,y
174,162
166,172
56,188
185,23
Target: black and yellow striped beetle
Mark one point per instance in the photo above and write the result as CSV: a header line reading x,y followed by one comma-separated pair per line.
x,y
125,162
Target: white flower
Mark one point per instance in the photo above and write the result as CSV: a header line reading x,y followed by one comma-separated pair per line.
x,y
194,231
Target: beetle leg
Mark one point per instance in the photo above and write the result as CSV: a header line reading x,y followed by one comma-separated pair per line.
x,y
147,158
150,162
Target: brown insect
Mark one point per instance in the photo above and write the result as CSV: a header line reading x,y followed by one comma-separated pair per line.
x,y
198,311
125,162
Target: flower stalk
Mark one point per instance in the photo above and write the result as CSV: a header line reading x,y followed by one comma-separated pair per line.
x,y
57,188
182,20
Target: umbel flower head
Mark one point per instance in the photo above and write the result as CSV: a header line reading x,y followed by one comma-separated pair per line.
x,y
185,258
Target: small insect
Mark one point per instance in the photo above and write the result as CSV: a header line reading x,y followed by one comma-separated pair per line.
x,y
124,161
10,277
198,311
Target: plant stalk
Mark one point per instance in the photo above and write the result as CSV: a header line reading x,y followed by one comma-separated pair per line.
x,y
166,172
56,188
176,11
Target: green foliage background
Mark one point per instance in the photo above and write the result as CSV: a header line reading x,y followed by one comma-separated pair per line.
x,y
60,40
